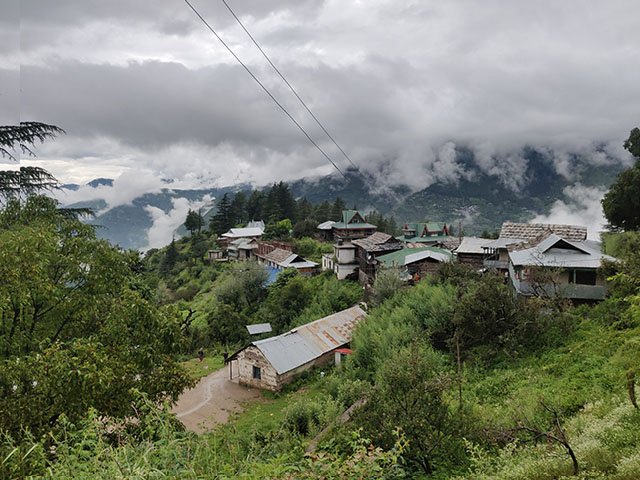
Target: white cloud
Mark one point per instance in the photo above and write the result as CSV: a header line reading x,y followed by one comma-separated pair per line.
x,y
581,207
165,224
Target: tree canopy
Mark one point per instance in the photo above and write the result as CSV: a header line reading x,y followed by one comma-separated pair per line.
x,y
621,204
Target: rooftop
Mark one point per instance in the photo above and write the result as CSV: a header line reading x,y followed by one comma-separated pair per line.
x,y
408,256
555,251
302,344
530,231
378,242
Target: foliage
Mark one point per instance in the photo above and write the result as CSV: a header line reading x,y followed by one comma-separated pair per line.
x,y
222,221
77,327
386,284
24,137
621,204
194,221
410,394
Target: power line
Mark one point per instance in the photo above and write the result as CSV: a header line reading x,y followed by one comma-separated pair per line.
x,y
288,84
263,87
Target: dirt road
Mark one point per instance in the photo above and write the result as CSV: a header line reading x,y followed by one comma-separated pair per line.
x,y
211,401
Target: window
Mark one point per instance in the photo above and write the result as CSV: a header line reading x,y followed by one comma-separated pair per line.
x,y
257,374
583,277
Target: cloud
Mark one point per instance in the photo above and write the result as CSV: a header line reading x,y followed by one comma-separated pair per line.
x,y
398,84
125,188
166,223
582,206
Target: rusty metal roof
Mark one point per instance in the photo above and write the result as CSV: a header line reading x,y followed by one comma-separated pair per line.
x,y
305,343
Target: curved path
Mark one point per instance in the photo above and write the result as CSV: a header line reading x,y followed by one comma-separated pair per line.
x,y
211,401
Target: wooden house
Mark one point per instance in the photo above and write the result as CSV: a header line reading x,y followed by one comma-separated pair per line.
x,y
279,259
434,234
273,362
416,262
471,251
367,251
242,249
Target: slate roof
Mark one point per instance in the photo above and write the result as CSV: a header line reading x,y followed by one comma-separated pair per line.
x,y
555,251
530,231
243,243
378,242
408,256
305,343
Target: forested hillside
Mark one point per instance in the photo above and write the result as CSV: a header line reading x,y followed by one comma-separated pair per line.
x,y
454,377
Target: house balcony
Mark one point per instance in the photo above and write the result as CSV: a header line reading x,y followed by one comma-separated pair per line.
x,y
497,264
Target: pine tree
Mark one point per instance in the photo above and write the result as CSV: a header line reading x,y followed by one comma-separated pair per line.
x,y
221,222
170,259
254,207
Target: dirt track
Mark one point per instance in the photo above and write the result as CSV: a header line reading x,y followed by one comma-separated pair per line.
x,y
211,401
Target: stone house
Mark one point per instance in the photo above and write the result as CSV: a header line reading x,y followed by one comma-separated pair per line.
x,y
279,259
512,234
273,362
552,266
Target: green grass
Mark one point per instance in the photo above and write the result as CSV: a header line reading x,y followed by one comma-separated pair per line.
x,y
268,414
198,369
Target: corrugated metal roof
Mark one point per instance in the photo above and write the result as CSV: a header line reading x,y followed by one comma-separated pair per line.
x,y
407,256
555,251
259,328
328,225
243,232
530,231
305,343
472,245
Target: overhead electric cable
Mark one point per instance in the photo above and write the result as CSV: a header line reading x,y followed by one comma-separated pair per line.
x,y
264,88
293,90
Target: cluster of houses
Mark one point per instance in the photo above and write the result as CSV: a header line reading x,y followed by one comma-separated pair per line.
x,y
537,260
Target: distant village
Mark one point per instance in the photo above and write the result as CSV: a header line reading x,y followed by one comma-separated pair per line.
x,y
537,260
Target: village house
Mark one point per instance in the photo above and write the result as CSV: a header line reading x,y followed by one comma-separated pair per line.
x,y
426,234
353,226
367,251
242,249
512,234
278,259
471,251
273,362
415,263
553,266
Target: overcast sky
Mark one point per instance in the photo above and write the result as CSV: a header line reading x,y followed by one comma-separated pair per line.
x,y
144,90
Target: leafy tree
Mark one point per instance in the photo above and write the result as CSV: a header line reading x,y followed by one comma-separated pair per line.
x,y
287,297
621,204
194,221
278,230
410,394
75,329
386,284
